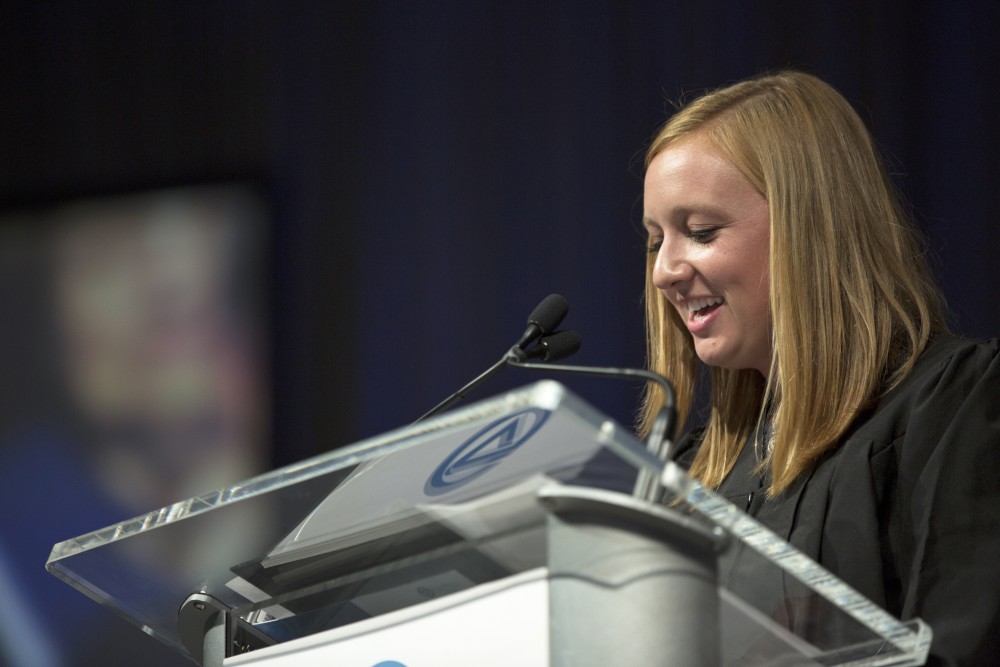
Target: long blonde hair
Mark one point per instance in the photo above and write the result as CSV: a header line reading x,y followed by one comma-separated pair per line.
x,y
852,300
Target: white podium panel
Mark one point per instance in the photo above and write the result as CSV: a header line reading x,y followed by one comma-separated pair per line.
x,y
498,624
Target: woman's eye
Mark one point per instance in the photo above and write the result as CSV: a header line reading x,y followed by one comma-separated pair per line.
x,y
702,235
653,246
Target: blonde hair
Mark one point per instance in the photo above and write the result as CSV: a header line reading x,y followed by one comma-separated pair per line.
x,y
852,300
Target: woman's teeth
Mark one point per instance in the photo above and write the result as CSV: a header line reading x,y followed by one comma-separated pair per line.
x,y
695,305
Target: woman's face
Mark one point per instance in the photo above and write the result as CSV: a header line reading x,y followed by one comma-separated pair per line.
x,y
710,229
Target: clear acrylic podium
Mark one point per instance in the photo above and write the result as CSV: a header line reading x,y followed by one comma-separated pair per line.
x,y
485,536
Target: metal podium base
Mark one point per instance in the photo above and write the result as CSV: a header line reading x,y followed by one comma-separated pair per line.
x,y
630,583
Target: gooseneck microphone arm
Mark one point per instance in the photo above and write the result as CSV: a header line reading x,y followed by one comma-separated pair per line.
x,y
667,417
542,342
543,320
658,442
460,394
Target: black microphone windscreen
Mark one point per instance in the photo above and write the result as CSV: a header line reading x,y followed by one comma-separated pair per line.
x,y
549,313
557,346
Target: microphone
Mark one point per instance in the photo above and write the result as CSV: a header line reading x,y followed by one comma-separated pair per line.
x,y
553,345
543,319
559,345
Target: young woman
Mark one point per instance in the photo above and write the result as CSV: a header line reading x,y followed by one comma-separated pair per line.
x,y
843,415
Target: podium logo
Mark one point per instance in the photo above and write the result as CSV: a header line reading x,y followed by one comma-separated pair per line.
x,y
484,450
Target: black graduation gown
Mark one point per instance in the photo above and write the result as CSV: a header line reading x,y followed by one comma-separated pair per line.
x,y
906,509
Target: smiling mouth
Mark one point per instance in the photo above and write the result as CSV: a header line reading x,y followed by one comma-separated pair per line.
x,y
699,309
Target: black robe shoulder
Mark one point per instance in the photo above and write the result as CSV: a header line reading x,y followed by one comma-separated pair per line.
x,y
906,509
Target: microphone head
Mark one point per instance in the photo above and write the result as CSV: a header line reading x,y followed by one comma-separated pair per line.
x,y
543,319
556,346
549,313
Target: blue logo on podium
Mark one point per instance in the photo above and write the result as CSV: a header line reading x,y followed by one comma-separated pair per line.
x,y
485,449
389,663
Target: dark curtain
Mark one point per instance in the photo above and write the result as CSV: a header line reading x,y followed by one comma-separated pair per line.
x,y
472,157
435,168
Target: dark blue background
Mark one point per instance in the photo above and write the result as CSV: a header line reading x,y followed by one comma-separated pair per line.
x,y
435,168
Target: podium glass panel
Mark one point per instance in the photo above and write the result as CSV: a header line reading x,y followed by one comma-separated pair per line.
x,y
438,508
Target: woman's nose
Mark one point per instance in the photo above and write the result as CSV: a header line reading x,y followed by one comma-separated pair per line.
x,y
670,266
